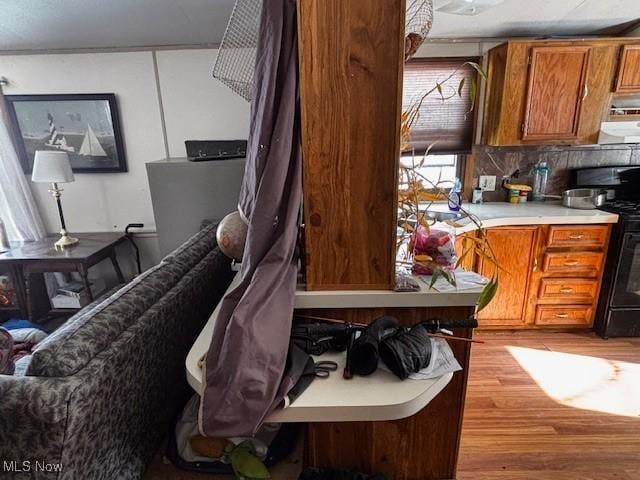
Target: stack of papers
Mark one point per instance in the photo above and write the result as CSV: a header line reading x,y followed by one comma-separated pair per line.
x,y
464,281
442,361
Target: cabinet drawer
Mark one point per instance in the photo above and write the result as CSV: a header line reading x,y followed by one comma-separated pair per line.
x,y
571,262
577,236
576,290
563,315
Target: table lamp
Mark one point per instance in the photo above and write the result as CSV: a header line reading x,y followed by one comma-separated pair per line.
x,y
54,168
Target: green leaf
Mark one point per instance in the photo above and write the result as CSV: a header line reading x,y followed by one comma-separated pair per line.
x,y
246,465
463,256
461,86
478,68
450,278
473,92
488,292
434,277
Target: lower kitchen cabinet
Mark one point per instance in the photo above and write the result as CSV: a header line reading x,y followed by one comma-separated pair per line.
x,y
549,276
514,251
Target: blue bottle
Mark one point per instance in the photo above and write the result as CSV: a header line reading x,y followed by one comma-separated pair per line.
x,y
455,196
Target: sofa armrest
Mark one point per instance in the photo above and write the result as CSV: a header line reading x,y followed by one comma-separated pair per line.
x,y
33,418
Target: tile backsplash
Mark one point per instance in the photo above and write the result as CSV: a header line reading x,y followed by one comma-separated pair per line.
x,y
503,161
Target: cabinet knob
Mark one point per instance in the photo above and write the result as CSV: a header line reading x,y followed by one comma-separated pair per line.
x,y
571,263
576,237
566,290
562,315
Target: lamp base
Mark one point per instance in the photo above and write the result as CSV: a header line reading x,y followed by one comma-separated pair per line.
x,y
65,241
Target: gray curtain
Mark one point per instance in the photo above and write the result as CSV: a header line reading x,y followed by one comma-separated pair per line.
x,y
244,368
18,209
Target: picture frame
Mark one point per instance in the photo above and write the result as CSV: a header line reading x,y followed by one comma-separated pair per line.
x,y
86,126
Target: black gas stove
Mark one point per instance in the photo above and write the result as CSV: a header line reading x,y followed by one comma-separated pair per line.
x,y
618,312
629,209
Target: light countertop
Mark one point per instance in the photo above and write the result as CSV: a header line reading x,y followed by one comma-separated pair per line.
x,y
500,214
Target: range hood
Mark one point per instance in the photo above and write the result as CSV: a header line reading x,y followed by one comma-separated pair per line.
x,y
619,132
623,122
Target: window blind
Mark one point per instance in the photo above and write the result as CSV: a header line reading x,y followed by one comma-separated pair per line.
x,y
445,124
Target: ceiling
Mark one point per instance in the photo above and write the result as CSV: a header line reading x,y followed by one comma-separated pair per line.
x,y
74,24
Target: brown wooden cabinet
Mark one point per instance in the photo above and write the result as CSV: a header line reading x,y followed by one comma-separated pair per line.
x,y
549,276
556,88
514,250
554,91
628,80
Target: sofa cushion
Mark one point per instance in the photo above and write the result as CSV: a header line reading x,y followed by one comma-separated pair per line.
x,y
6,353
194,249
91,330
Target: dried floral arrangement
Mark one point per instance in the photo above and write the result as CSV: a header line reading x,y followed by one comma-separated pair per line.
x,y
417,193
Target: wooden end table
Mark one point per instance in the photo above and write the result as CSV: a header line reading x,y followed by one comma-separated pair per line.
x,y
28,258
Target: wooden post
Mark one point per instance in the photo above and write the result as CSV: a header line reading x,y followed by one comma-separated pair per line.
x,y
351,58
351,65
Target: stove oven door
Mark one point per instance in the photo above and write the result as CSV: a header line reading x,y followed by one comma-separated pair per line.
x,y
626,289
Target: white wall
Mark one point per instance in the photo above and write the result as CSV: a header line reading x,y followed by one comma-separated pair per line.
x,y
195,106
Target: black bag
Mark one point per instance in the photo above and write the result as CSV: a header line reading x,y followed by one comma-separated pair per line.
x,y
407,352
363,354
318,338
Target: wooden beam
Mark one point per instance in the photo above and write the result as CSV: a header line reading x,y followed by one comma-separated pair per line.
x,y
351,57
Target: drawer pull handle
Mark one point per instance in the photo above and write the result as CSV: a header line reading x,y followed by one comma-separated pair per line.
x,y
566,290
562,315
571,263
576,237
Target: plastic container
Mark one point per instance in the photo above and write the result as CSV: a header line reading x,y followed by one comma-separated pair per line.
x,y
522,197
540,179
477,196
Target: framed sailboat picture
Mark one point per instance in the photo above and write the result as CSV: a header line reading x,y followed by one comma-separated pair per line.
x,y
86,126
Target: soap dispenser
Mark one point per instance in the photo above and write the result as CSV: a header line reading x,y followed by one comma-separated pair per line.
x,y
455,196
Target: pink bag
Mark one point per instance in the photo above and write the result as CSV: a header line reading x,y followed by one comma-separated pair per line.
x,y
436,244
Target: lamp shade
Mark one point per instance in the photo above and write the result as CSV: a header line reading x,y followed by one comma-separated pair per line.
x,y
51,167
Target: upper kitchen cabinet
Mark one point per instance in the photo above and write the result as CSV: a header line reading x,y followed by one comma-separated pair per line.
x,y
549,91
628,80
556,87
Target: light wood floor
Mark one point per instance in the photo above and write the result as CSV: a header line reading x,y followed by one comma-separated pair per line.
x,y
513,429
531,411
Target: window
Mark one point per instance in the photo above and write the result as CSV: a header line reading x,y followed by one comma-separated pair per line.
x,y
444,126
440,171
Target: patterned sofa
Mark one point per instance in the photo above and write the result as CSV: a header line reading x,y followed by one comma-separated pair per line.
x,y
101,392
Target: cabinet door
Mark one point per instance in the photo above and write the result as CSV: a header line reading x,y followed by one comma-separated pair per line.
x,y
514,250
629,70
557,86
